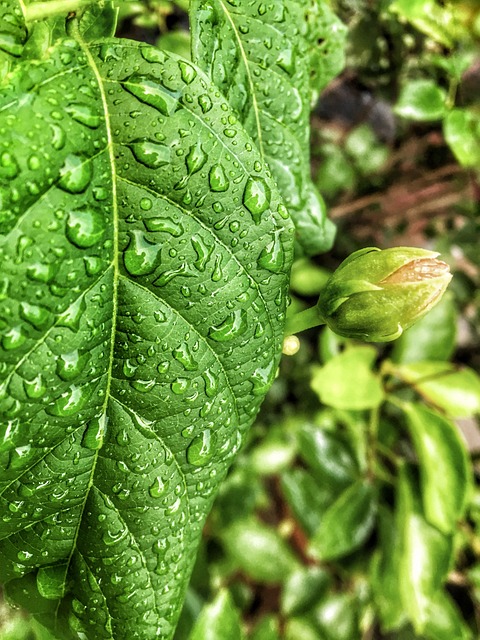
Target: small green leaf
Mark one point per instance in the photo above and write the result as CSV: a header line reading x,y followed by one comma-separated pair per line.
x,y
336,617
456,391
328,457
347,382
219,620
302,589
462,132
432,337
306,497
385,574
445,472
445,621
437,21
301,628
266,629
421,100
347,524
259,551
424,557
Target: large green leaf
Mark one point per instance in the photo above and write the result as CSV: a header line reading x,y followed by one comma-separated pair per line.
x,y
260,55
144,254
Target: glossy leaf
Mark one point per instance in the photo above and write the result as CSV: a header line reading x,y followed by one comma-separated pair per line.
x,y
456,391
462,133
219,620
425,554
266,629
144,283
445,471
13,34
347,381
445,621
385,573
328,456
302,589
421,100
259,54
307,499
432,337
336,617
259,551
347,524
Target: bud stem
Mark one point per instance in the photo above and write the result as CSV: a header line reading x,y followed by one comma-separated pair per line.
x,y
303,320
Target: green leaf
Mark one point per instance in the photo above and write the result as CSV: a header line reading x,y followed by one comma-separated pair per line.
x,y
432,337
425,554
421,100
306,498
266,629
259,551
445,621
219,620
385,574
141,321
347,382
13,34
302,589
259,55
456,391
445,471
437,21
462,132
336,617
328,457
347,524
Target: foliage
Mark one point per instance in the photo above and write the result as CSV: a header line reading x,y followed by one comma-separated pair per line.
x,y
146,251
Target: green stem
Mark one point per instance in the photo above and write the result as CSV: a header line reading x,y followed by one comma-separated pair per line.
x,y
302,321
41,10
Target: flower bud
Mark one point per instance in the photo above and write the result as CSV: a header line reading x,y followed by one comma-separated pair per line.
x,y
375,295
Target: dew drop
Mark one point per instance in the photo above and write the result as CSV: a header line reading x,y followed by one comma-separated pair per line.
x,y
152,93
70,365
151,154
184,355
272,255
211,383
179,386
85,227
146,204
76,173
201,449
141,257
40,272
256,197
165,224
84,114
71,317
13,338
35,388
69,403
234,325
217,179
37,316
94,434
187,72
158,488
205,103
202,250
143,386
196,158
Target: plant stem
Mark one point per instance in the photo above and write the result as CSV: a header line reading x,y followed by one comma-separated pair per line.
x,y
40,10
302,321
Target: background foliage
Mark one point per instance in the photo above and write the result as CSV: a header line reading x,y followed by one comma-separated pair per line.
x,y
353,511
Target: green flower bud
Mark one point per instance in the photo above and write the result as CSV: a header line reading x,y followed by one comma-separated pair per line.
x,y
375,295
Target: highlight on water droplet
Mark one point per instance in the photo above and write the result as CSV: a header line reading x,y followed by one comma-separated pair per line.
x,y
196,158
272,255
234,325
256,197
217,179
76,173
94,433
158,487
151,154
151,92
37,316
141,257
202,448
85,227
